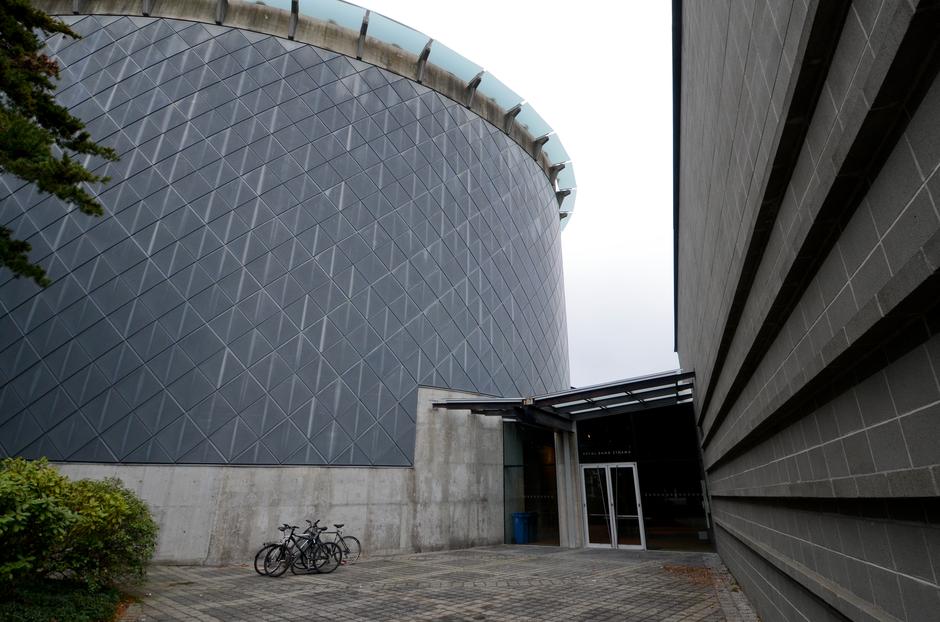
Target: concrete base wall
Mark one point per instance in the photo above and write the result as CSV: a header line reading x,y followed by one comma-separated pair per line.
x,y
452,498
568,474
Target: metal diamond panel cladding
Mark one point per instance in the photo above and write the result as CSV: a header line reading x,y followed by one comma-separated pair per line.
x,y
293,242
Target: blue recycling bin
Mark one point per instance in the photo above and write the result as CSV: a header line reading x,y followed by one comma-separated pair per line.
x,y
523,527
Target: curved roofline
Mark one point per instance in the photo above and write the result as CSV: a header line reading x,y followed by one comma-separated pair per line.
x,y
322,32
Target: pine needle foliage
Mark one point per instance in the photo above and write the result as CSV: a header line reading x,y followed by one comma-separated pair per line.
x,y
40,141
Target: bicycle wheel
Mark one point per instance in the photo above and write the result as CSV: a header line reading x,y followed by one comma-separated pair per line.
x,y
259,558
303,561
351,549
326,557
277,560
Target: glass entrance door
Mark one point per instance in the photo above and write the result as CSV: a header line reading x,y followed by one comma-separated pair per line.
x,y
626,497
612,510
600,529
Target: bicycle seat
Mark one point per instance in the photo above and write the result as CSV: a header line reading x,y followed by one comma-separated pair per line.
x,y
338,525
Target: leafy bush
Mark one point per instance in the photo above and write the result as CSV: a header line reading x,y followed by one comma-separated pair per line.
x,y
33,516
95,532
113,536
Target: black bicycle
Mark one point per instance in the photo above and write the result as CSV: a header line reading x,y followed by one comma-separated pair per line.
x,y
305,552
349,546
315,554
267,547
277,556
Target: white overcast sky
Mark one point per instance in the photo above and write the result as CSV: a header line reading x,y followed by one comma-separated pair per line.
x,y
600,73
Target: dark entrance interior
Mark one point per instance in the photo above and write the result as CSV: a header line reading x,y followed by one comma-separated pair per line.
x,y
529,483
663,444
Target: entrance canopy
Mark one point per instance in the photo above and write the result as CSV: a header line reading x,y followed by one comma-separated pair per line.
x,y
560,411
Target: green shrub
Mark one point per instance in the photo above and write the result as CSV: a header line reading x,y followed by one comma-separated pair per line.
x,y
113,536
33,517
95,532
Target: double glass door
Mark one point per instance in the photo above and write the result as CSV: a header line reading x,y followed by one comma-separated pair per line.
x,y
613,514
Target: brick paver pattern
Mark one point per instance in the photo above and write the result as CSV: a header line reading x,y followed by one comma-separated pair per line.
x,y
486,583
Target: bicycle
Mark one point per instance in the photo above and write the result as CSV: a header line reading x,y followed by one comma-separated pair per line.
x,y
266,548
349,546
279,556
304,552
315,555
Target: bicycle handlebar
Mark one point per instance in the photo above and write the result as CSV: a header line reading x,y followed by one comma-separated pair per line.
x,y
313,527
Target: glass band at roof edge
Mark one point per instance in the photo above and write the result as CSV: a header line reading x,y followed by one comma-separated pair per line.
x,y
565,177
334,11
389,31
395,33
555,150
277,4
452,62
504,96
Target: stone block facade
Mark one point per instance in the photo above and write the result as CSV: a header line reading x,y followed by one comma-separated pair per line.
x,y
808,297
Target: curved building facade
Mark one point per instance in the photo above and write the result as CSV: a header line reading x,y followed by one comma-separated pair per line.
x,y
294,241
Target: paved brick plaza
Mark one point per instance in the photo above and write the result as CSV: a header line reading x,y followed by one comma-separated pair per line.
x,y
490,583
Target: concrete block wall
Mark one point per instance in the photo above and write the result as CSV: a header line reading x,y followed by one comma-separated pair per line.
x,y
808,299
832,129
451,498
741,56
